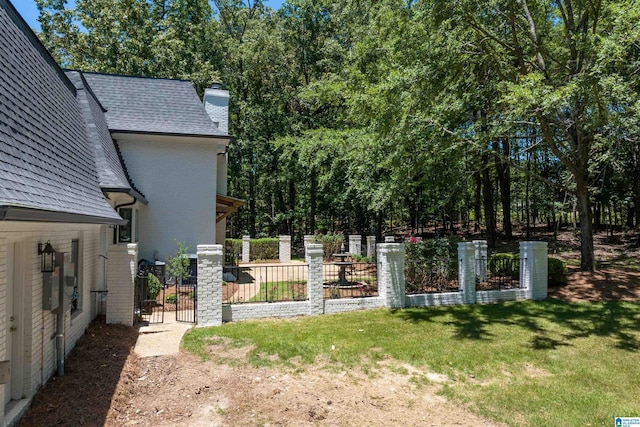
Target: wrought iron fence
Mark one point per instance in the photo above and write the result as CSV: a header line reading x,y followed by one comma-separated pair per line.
x,y
350,280
270,283
148,299
433,275
502,272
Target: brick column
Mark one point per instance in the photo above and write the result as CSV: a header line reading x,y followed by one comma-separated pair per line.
x,y
308,238
467,271
122,265
371,247
314,279
355,244
534,274
391,284
246,248
284,249
480,254
210,259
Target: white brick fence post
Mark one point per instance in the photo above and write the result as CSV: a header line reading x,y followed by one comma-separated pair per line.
x,y
314,279
122,265
371,247
355,244
534,274
246,248
480,253
467,271
391,281
210,259
284,249
308,238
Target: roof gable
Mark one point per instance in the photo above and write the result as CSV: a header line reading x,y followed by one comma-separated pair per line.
x,y
46,161
150,105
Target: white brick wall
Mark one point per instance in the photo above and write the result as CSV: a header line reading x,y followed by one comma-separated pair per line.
x,y
371,247
534,268
210,259
355,244
284,249
38,326
428,300
314,279
246,248
121,275
391,285
467,271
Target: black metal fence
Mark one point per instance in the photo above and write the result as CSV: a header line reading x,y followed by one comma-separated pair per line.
x,y
148,299
434,275
186,300
264,283
502,272
350,280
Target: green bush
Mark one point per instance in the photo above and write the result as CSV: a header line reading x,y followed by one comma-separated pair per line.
x,y
361,258
193,295
153,286
264,249
172,298
505,264
558,272
331,244
232,251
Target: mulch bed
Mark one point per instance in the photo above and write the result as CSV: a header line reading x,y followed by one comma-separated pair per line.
x,y
83,396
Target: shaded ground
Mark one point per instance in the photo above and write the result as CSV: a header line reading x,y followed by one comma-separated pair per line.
x,y
106,384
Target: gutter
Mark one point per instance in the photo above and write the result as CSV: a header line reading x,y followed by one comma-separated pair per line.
x,y
129,191
15,213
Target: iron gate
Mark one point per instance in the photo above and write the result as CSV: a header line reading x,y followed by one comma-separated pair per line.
x,y
148,298
187,300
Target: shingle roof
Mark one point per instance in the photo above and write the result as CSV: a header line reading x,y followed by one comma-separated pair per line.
x,y
46,160
149,105
112,172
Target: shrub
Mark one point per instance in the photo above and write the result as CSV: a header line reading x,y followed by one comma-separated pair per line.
x,y
505,264
232,251
172,298
178,265
331,244
362,258
153,286
557,270
194,296
263,249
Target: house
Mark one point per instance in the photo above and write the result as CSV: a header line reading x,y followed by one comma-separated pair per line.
x,y
96,172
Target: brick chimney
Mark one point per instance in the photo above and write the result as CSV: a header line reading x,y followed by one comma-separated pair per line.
x,y
216,104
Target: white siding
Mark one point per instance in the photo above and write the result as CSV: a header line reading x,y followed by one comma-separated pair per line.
x,y
179,181
39,326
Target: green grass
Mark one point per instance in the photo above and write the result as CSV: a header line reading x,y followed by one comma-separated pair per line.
x,y
287,290
546,363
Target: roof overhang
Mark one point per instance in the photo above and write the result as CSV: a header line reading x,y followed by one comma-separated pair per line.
x,y
17,213
130,191
226,205
221,140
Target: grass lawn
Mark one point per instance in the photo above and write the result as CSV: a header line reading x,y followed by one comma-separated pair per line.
x,y
548,363
287,290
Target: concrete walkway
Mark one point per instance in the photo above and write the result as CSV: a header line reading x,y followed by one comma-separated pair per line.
x,y
161,339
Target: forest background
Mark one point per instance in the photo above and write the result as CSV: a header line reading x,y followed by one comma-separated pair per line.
x,y
363,116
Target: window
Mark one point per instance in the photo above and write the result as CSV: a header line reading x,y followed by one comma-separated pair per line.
x,y
74,267
124,231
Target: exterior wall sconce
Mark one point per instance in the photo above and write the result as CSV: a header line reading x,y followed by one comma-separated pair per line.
x,y
48,255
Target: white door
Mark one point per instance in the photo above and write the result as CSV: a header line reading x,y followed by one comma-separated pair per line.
x,y
14,321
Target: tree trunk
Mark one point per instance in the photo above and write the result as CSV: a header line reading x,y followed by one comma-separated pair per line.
x,y
487,194
504,180
477,207
586,227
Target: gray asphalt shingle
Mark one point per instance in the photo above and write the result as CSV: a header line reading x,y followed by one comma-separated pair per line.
x,y
141,104
46,159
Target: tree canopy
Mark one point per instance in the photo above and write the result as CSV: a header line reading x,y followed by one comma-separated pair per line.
x,y
367,116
